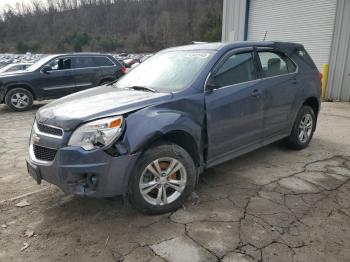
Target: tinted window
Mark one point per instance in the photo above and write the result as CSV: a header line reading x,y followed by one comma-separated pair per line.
x,y
83,62
103,61
60,64
236,69
274,64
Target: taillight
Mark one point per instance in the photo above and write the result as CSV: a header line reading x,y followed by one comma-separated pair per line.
x,y
123,69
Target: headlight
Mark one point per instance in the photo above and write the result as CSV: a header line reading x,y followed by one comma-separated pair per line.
x,y
97,134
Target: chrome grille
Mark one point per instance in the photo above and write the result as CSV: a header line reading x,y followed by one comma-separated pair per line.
x,y
44,153
49,129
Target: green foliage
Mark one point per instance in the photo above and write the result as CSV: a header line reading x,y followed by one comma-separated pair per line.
x,y
110,26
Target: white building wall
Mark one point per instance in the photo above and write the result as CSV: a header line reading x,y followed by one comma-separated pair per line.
x,y
233,20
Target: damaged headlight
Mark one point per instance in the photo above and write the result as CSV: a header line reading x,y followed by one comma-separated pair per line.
x,y
97,134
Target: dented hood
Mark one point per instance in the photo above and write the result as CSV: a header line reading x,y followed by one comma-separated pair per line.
x,y
72,110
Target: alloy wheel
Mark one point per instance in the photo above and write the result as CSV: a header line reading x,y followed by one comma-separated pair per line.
x,y
163,181
19,100
305,128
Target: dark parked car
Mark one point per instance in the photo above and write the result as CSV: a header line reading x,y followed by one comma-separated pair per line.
x,y
151,134
56,76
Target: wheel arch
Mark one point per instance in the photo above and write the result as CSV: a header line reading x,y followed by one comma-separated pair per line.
x,y
313,102
180,138
21,85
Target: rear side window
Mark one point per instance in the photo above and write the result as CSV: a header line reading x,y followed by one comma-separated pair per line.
x,y
238,68
275,63
83,62
103,61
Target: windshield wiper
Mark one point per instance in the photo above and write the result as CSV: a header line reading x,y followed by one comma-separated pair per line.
x,y
143,88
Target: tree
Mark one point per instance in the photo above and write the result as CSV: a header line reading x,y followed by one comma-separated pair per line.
x,y
109,25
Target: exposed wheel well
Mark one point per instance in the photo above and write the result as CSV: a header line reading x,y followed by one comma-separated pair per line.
x,y
313,102
182,139
24,86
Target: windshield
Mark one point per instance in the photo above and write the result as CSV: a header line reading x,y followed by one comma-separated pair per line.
x,y
40,63
167,72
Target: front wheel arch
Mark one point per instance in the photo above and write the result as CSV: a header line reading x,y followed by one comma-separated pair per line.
x,y
24,86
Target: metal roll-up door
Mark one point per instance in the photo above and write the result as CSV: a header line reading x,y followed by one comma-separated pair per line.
x,y
308,22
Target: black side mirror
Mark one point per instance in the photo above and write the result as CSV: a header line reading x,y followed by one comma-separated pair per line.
x,y
212,84
46,69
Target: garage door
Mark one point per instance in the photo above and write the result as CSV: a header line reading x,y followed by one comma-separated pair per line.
x,y
308,22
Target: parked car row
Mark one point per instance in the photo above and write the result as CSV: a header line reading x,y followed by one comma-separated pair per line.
x,y
8,59
28,58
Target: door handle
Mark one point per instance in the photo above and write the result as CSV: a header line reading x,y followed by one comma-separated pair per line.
x,y
256,93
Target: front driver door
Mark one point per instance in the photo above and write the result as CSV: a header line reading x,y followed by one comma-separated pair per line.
x,y
234,107
59,81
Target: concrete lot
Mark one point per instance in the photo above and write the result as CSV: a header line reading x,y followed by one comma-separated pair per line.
x,y
269,205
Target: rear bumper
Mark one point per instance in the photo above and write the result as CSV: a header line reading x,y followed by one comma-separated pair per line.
x,y
86,173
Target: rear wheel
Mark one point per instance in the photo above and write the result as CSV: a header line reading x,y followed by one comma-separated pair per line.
x,y
19,99
303,129
163,179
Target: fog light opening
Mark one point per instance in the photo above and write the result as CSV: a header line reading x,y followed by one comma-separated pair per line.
x,y
91,181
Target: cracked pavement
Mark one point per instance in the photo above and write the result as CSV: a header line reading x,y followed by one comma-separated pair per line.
x,y
272,204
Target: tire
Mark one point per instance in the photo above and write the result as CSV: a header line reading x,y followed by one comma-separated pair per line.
x,y
153,202
104,82
305,123
19,99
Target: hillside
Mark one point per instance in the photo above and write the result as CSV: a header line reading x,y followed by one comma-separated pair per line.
x,y
109,25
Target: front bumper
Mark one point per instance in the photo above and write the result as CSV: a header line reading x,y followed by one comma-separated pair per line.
x,y
73,168
2,94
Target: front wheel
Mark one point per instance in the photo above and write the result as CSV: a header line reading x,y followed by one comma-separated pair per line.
x,y
164,177
19,99
303,129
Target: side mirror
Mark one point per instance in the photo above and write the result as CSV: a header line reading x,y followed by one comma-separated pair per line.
x,y
46,69
212,85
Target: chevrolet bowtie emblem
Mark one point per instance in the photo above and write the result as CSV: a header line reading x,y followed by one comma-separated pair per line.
x,y
35,138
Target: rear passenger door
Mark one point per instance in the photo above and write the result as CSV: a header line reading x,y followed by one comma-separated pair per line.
x,y
279,82
234,108
86,73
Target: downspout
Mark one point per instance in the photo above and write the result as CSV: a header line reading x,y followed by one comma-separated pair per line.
x,y
246,20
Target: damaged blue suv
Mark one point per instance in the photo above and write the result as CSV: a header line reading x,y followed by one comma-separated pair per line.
x,y
151,134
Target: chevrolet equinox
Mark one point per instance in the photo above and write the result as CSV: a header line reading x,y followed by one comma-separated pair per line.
x,y
151,134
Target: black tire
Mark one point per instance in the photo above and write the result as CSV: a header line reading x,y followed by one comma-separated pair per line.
x,y
105,82
294,141
161,151
24,101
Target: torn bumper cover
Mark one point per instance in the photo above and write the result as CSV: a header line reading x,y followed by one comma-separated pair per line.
x,y
84,173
